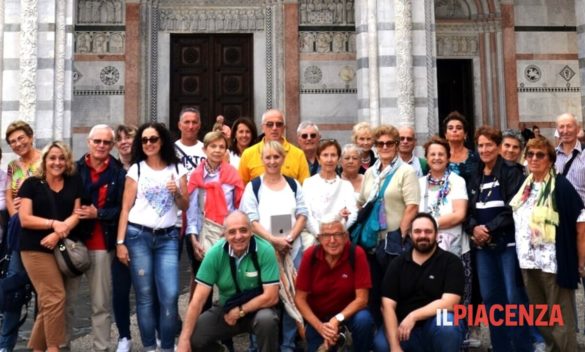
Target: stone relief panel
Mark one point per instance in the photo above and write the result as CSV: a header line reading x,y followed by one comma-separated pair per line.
x,y
98,78
327,42
100,11
212,20
99,42
328,77
548,76
452,9
457,45
326,12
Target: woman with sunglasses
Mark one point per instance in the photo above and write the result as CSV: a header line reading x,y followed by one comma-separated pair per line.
x,y
549,220
397,183
148,241
491,226
463,161
244,134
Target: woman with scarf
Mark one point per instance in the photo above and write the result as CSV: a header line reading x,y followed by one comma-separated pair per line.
x,y
397,183
549,221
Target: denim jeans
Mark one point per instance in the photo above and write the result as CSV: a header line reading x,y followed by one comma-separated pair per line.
x,y
121,285
154,268
362,328
429,337
500,282
9,332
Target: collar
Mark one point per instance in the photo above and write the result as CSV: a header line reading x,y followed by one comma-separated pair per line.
x,y
102,168
251,247
285,144
411,160
408,257
206,172
577,146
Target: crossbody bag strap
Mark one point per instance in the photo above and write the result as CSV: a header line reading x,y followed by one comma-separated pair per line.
x,y
570,162
385,185
186,156
257,265
233,270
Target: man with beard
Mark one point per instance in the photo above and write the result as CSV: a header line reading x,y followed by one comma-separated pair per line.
x,y
416,285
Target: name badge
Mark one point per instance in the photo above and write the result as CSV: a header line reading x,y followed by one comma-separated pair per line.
x,y
252,274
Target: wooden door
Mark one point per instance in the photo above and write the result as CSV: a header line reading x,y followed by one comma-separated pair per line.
x,y
212,72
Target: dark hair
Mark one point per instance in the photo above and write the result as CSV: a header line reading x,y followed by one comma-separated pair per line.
x,y
326,143
440,141
426,216
490,133
542,143
455,116
533,127
250,124
18,125
125,129
167,150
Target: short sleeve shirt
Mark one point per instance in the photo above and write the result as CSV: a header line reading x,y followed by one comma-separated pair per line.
x,y
215,268
331,289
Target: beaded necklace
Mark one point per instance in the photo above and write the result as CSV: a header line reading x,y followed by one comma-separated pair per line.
x,y
441,199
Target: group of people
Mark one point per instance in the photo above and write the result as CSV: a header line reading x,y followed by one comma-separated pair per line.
x,y
315,241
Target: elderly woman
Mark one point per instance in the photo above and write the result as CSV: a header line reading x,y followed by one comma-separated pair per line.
x,y
325,192
512,145
350,166
47,215
276,207
328,303
550,239
361,136
463,161
243,135
394,184
148,241
124,136
491,225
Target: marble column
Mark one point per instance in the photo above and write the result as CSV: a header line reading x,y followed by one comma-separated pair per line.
x,y
373,72
27,87
149,65
580,14
404,62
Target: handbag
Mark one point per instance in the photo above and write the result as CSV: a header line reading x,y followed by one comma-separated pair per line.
x,y
391,247
241,297
72,256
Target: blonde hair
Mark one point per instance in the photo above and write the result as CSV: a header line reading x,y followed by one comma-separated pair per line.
x,y
357,128
276,146
69,165
214,136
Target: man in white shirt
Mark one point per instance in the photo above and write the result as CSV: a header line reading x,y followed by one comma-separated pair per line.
x,y
406,151
189,148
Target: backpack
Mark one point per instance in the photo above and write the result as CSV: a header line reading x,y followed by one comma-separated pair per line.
x,y
256,182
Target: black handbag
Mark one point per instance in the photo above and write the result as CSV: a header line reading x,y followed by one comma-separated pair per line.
x,y
241,297
391,247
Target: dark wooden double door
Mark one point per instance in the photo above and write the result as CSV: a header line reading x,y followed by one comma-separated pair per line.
x,y
212,72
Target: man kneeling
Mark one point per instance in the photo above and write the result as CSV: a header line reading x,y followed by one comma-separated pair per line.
x,y
244,268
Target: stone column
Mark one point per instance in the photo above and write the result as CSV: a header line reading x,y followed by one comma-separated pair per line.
x,y
28,60
580,14
149,22
373,72
404,62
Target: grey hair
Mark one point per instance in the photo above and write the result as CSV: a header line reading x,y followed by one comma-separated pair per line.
x,y
348,148
272,110
307,124
102,126
330,219
236,212
514,133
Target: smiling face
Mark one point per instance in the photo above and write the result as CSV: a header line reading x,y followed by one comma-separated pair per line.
x,y
328,159
510,149
55,162
243,136
364,140
151,142
100,144
386,147
488,150
215,151
308,139
20,143
333,238
272,161
124,144
437,158
568,129
407,140
350,162
423,234
539,162
237,232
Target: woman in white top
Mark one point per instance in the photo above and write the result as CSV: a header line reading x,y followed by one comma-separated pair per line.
x,y
326,193
148,241
350,167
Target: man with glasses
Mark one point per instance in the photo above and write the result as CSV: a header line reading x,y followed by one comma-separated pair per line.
x,y
295,163
333,284
406,151
103,185
308,140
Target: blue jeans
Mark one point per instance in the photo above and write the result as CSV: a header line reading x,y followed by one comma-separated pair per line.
x,y
154,267
426,338
9,332
362,328
500,282
121,285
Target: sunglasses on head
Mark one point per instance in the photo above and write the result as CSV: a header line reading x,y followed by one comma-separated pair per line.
x,y
387,144
271,124
308,135
151,139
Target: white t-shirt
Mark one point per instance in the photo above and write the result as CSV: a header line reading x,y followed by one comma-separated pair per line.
x,y
195,155
452,239
154,206
234,160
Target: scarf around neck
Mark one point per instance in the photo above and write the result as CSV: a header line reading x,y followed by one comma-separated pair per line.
x,y
379,176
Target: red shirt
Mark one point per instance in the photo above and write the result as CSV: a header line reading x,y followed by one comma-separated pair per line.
x,y
331,289
97,241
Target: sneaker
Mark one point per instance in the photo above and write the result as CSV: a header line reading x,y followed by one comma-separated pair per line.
x,y
472,343
539,347
124,345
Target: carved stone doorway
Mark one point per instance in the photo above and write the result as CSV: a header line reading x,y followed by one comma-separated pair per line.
x,y
213,72
455,90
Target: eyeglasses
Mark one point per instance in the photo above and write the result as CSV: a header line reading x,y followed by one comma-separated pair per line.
x,y
387,144
328,236
19,139
105,142
408,139
538,155
308,135
151,139
271,124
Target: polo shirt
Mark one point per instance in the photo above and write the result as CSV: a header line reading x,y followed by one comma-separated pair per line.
x,y
215,268
331,289
413,286
295,163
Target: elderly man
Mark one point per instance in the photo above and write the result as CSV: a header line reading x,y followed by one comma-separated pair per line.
x,y
103,185
332,289
244,268
308,140
406,149
416,285
295,163
570,155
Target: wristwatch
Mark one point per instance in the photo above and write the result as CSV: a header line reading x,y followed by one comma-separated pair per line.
x,y
340,317
120,242
242,313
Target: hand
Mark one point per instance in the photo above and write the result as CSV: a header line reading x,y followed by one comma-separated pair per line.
x,y
198,250
481,235
87,212
60,227
122,254
281,244
50,240
172,185
231,317
405,328
329,334
344,213
184,344
16,203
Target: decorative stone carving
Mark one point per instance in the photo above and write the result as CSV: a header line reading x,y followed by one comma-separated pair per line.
x,y
28,59
457,45
532,73
212,20
326,12
100,42
452,9
100,11
567,73
327,42
109,75
60,57
404,61
313,74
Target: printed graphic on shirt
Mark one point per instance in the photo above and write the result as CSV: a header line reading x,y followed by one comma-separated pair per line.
x,y
158,196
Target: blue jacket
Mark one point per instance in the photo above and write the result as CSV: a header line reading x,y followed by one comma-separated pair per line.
x,y
108,216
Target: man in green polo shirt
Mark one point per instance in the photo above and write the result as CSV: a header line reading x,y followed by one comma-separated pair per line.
x,y
253,262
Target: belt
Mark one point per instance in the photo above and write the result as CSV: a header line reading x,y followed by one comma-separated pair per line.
x,y
160,231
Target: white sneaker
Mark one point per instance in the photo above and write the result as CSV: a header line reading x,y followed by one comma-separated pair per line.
x,y
124,345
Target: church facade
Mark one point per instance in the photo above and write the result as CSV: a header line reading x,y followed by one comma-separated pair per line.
x,y
70,64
